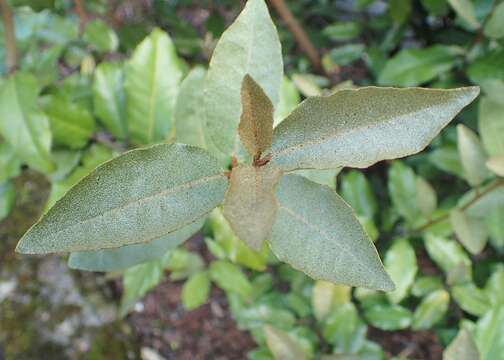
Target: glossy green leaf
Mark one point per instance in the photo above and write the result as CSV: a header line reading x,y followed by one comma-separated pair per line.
x,y
357,192
109,98
24,127
494,26
326,296
71,123
491,126
487,67
346,54
250,205
388,317
130,255
100,36
413,67
496,165
282,345
489,330
249,46
465,9
472,155
471,299
196,290
342,31
189,113
426,197
183,264
152,77
495,286
136,198
447,159
447,254
402,188
7,198
426,284
9,163
317,232
470,231
401,265
289,99
487,203
230,278
431,310
344,329
462,347
360,127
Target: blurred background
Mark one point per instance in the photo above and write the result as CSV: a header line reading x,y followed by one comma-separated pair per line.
x,y
67,61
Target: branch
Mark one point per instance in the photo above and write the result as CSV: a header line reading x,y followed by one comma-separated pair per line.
x,y
10,36
299,34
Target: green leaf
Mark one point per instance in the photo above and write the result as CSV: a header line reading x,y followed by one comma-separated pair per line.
x,y
465,9
494,26
388,317
109,98
189,113
130,255
327,296
487,67
344,329
436,7
487,203
282,345
249,46
250,205
317,232
431,310
71,123
7,199
66,161
491,126
496,165
426,197
470,231
230,278
9,163
356,191
493,89
447,159
138,197
23,126
342,31
472,155
289,99
447,254
413,67
471,299
426,284
489,330
100,36
360,127
183,264
462,347
399,10
401,265
256,120
325,177
495,286
152,77
402,187
196,290
346,54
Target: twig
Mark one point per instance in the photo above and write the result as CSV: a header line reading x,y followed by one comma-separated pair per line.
x,y
299,34
10,36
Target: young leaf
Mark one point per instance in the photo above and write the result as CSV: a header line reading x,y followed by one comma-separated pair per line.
x,y
249,46
326,296
23,126
152,78
100,36
494,26
401,265
388,317
471,231
357,192
358,128
196,290
250,205
317,232
109,98
431,310
462,347
489,330
465,9
130,255
496,164
282,345
403,191
138,197
230,278
472,155
447,254
491,126
471,299
256,121
426,197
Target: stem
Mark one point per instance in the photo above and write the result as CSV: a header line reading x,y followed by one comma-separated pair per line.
x,y
79,9
10,36
478,195
299,34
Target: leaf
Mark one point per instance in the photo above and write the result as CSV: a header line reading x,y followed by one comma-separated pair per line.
x,y
402,187
413,67
447,254
249,46
401,265
388,317
431,310
491,126
7,199
357,192
496,165
358,128
283,346
487,67
100,36
342,31
317,232
250,205
465,9
152,77
470,231
23,126
196,290
9,163
138,197
494,26
426,197
109,98
345,329
489,330
71,123
289,99
189,113
399,10
446,158
230,278
436,7
462,347
426,284
327,296
346,54
495,287
472,155
471,299
325,177
130,255
184,264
